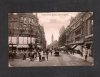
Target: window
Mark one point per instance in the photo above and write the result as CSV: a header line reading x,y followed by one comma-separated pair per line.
x,y
78,31
90,26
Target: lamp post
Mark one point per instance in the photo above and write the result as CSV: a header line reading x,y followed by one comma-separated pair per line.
x,y
30,45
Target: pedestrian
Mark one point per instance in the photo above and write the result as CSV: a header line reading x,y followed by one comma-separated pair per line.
x,y
51,52
32,57
29,54
73,51
47,53
24,55
35,54
39,53
66,50
12,55
85,51
81,50
21,54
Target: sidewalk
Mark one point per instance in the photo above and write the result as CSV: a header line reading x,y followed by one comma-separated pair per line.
x,y
89,59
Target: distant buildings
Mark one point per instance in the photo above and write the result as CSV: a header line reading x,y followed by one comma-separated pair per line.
x,y
80,31
23,30
62,30
54,44
62,37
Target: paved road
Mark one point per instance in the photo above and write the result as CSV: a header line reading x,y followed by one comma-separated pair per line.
x,y
62,60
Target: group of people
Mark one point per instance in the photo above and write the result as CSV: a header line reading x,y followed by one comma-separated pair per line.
x,y
30,54
38,54
43,54
12,54
83,51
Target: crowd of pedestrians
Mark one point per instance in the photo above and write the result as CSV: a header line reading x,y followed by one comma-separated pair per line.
x,y
32,55
43,55
83,51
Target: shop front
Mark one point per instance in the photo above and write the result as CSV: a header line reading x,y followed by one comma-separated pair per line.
x,y
12,47
89,45
22,47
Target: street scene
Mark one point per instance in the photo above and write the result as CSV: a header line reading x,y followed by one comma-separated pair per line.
x,y
50,39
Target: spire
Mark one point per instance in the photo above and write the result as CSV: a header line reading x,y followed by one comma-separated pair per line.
x,y
52,38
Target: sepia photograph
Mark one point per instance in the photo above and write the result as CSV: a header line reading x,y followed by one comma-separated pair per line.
x,y
41,39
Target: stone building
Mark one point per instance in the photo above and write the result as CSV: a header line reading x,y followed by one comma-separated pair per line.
x,y
62,38
80,31
23,29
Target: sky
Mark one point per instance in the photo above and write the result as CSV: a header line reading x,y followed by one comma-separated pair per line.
x,y
53,21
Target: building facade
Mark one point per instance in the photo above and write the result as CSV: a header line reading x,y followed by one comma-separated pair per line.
x,y
62,38
80,31
23,30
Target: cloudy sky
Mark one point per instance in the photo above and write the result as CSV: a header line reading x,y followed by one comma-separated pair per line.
x,y
53,21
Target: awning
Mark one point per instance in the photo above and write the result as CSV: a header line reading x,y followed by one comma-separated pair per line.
x,y
78,47
22,46
91,35
73,46
89,42
39,46
12,45
62,47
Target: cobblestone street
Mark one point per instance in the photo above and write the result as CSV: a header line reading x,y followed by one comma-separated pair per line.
x,y
62,60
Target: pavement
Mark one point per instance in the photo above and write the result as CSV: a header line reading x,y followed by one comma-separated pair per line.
x,y
62,60
89,59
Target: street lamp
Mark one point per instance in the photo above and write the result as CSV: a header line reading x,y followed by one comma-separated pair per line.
x,y
30,45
